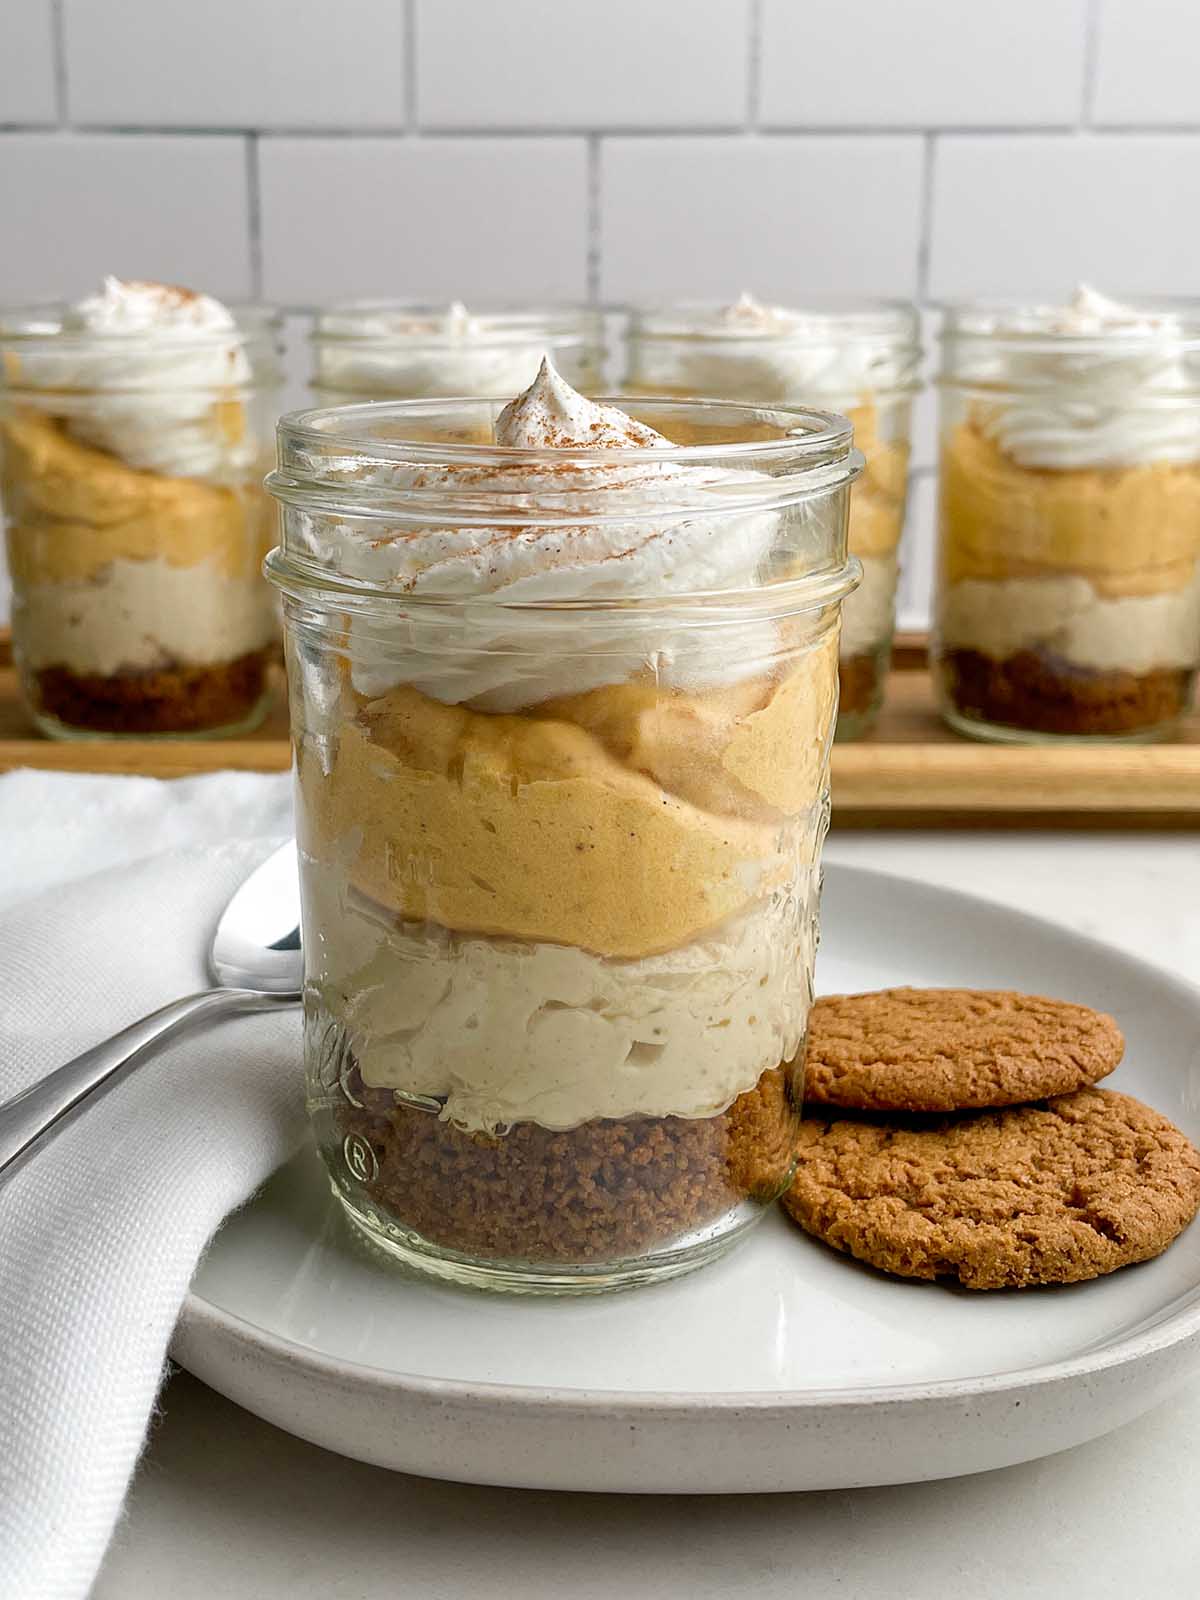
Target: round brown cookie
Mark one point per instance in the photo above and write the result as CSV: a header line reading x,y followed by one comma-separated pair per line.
x,y
952,1049
1051,1193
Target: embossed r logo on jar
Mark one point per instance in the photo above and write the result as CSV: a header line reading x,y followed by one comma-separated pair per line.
x,y
360,1158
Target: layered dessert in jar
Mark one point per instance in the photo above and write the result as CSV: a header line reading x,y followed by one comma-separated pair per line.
x,y
135,428
393,350
562,707
857,359
1069,567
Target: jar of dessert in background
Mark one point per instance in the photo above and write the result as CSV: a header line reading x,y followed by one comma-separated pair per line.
x,y
136,427
560,817
389,350
1068,602
858,358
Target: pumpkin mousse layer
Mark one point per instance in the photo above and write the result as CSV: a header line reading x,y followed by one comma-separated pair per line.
x,y
1130,530
586,822
74,509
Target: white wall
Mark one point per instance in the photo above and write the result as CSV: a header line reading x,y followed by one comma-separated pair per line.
x,y
306,149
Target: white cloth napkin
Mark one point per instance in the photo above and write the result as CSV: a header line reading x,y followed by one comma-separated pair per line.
x,y
110,889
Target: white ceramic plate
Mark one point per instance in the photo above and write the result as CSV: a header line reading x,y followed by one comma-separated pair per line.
x,y
784,1366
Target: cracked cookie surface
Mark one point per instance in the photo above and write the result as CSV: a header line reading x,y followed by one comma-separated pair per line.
x,y
1051,1193
952,1049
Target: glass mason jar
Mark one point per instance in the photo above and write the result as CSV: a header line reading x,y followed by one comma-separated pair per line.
x,y
132,467
393,350
562,723
1068,602
859,358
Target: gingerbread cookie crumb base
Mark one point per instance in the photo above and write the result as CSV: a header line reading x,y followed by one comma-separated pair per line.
x,y
605,1192
170,700
1031,693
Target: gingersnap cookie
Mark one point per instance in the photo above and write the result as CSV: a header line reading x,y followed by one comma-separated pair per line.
x,y
1052,1193
952,1049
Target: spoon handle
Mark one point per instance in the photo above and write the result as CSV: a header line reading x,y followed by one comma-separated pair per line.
x,y
27,1118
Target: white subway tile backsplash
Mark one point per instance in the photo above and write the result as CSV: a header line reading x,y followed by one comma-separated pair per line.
x,y
27,90
782,217
1147,62
165,207
927,65
543,64
1034,215
236,63
439,219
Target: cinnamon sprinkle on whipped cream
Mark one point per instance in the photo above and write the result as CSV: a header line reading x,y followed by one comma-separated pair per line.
x,y
550,415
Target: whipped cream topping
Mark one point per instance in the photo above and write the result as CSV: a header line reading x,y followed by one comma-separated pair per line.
x,y
150,373
1093,384
406,352
647,529
132,308
751,351
550,415
509,1031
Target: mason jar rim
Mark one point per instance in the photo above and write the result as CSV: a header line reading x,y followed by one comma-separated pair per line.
x,y
815,445
1029,325
40,325
817,437
501,325
852,318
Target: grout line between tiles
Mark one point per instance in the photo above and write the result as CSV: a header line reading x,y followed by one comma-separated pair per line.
x,y
59,35
595,225
410,63
925,245
754,64
1091,62
254,218
1098,131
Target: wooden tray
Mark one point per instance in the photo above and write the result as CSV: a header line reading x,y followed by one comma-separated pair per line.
x,y
911,772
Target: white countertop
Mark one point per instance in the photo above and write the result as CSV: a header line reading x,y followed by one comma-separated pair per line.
x,y
225,1505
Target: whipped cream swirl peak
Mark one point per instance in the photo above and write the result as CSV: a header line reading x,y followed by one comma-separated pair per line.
x,y
1088,311
396,351
748,315
131,308
1085,314
1091,383
748,350
550,415
150,373
459,323
367,320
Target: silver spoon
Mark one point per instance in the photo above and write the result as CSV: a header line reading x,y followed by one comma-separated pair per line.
x,y
256,962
